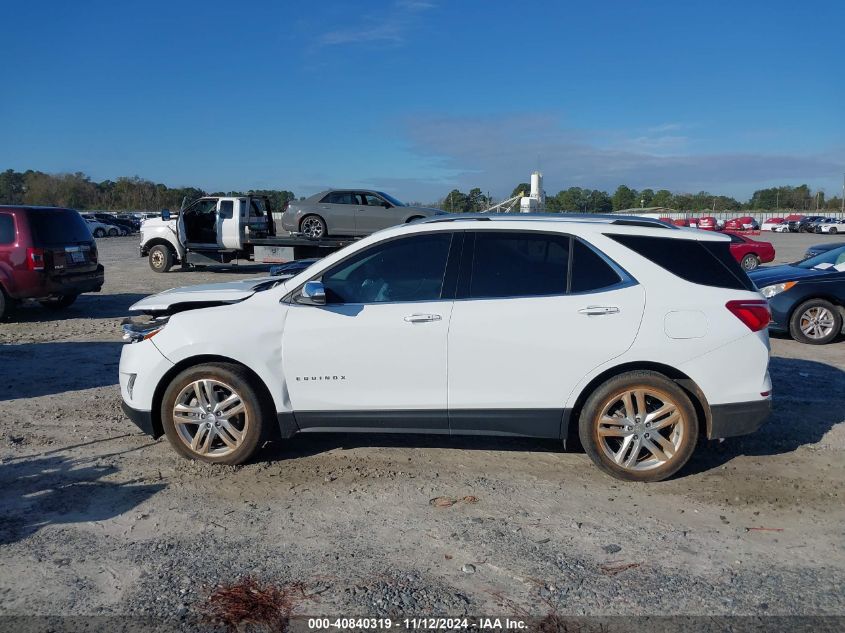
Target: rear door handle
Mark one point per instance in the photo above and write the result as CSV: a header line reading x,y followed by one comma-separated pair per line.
x,y
598,310
422,318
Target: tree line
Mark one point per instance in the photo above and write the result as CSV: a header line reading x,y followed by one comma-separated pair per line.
x,y
78,191
788,198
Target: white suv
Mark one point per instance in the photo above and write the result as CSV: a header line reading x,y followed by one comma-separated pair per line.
x,y
633,335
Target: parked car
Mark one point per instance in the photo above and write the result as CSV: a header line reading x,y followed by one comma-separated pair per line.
x,y
802,225
818,249
782,228
744,223
707,223
832,226
129,226
349,212
99,229
771,224
112,229
680,222
46,254
358,341
807,298
750,253
291,269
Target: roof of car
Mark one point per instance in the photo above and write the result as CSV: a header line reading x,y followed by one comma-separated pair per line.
x,y
593,218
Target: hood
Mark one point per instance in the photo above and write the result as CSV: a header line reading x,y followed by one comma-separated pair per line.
x,y
202,296
769,275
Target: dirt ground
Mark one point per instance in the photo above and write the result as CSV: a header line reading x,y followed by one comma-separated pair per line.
x,y
96,518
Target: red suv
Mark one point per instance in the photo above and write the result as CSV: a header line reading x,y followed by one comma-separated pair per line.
x,y
46,254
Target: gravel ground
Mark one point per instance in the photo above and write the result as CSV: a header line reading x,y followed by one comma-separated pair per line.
x,y
99,519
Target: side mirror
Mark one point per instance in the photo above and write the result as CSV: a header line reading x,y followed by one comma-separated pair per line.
x,y
313,294
165,215
386,205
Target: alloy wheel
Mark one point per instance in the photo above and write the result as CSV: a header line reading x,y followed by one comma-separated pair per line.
x,y
817,322
210,418
640,429
312,227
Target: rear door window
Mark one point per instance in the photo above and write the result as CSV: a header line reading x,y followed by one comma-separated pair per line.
x,y
51,227
706,263
514,264
340,197
7,229
590,271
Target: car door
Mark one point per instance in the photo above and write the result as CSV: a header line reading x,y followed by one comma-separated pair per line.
x,y
534,313
374,357
338,210
375,213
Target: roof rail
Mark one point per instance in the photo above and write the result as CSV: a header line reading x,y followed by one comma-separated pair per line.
x,y
602,218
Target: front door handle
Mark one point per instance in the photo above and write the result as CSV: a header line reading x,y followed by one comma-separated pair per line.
x,y
598,310
422,318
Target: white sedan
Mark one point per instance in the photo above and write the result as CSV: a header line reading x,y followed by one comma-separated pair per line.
x,y
834,227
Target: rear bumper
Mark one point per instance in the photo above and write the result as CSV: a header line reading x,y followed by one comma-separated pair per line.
x,y
142,419
738,418
71,284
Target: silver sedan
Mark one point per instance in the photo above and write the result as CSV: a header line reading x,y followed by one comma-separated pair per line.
x,y
349,212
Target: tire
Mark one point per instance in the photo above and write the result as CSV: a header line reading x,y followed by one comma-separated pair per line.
x,y
634,459
815,322
113,232
59,302
161,258
832,230
750,262
314,227
414,219
99,233
227,440
5,305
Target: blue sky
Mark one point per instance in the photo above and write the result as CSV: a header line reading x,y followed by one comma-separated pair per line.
x,y
417,96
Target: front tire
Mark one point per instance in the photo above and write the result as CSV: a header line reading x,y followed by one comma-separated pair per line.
x,y
113,232
213,414
99,233
832,230
58,302
816,322
750,262
639,426
161,258
313,227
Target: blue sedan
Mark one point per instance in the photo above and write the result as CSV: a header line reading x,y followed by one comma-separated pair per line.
x,y
807,298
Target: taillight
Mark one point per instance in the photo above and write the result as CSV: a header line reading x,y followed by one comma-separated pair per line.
x,y
755,314
35,259
92,254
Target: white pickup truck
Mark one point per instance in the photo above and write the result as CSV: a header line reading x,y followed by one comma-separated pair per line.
x,y
220,230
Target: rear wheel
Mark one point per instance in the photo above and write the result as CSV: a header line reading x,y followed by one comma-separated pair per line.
x,y
212,413
750,262
99,232
832,230
639,426
816,322
58,302
113,232
313,226
161,258
5,305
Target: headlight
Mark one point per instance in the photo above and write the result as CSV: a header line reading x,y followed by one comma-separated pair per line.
x,y
134,332
776,289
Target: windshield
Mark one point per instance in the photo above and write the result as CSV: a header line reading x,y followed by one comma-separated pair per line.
x,y
835,257
57,226
391,199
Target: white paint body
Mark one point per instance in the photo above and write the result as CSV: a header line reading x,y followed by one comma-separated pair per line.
x,y
512,353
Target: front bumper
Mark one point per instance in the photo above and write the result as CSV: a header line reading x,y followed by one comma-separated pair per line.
x,y
142,419
738,418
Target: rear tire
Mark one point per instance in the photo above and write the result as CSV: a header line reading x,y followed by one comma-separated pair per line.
x,y
313,227
750,262
161,258
815,322
113,232
5,305
639,426
222,434
58,302
832,230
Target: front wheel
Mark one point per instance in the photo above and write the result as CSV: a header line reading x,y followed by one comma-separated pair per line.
x,y
213,414
816,322
750,262
99,233
832,230
313,227
161,258
113,232
58,302
639,426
